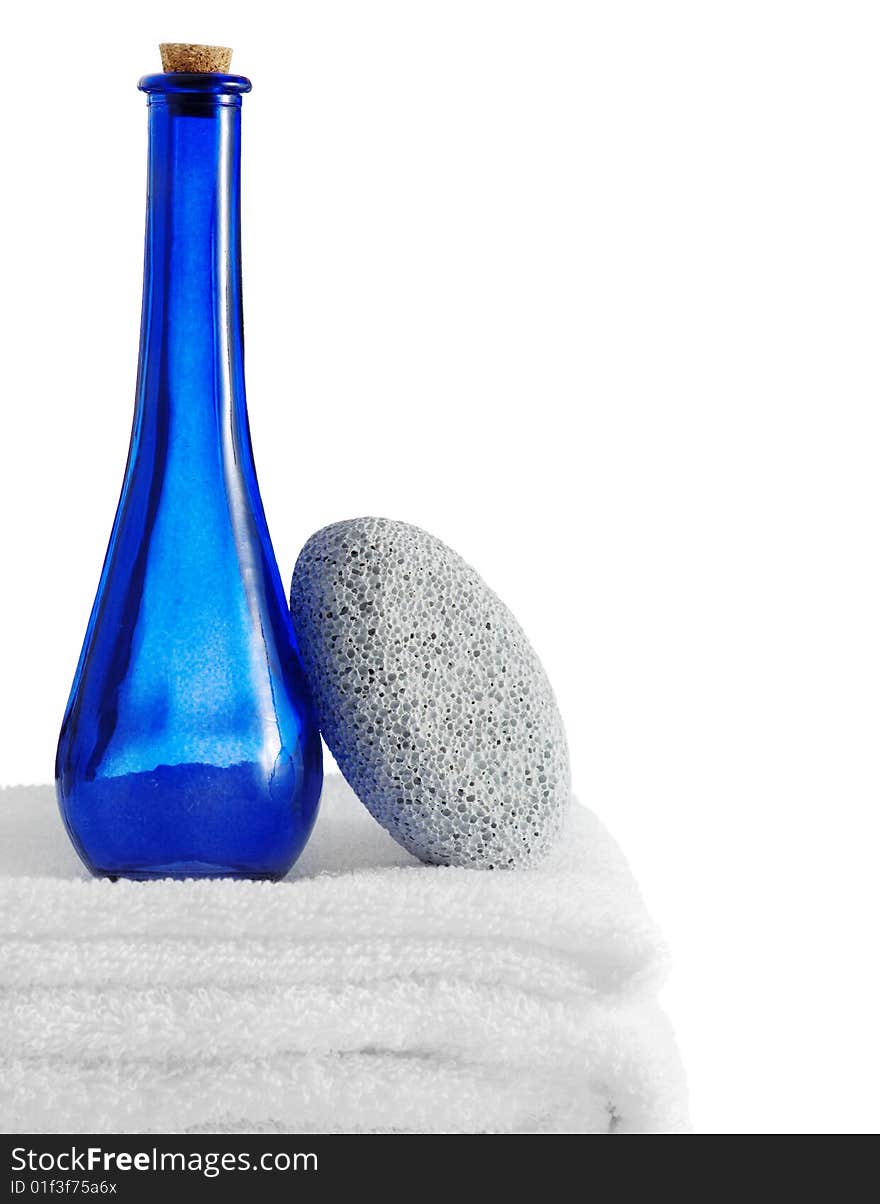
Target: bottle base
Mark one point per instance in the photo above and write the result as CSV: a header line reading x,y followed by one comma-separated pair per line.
x,y
183,870
191,820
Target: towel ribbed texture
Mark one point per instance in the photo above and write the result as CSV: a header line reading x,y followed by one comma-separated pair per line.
x,y
365,993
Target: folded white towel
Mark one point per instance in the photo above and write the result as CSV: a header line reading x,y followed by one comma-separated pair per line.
x,y
365,993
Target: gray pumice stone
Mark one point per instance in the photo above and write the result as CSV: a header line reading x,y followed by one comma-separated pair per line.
x,y
429,696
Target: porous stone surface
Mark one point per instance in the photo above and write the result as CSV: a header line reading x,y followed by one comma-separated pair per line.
x,y
429,696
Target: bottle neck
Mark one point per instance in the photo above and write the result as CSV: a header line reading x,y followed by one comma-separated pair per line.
x,y
191,354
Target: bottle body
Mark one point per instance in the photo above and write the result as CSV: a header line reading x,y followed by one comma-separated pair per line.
x,y
189,746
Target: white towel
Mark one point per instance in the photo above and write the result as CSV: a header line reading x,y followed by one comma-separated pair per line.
x,y
365,993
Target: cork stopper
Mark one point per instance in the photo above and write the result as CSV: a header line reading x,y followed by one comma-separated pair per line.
x,y
184,56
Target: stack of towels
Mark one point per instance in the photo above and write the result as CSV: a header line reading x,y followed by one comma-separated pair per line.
x,y
365,993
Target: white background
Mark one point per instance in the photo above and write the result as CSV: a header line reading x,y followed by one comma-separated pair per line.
x,y
591,292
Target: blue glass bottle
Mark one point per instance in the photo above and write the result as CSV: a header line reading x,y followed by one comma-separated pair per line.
x,y
189,747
